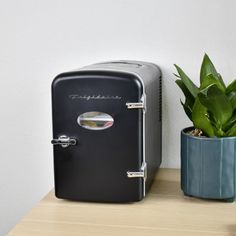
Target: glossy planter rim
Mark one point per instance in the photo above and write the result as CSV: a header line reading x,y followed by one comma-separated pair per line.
x,y
183,132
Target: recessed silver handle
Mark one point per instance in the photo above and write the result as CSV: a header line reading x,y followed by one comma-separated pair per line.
x,y
64,141
95,120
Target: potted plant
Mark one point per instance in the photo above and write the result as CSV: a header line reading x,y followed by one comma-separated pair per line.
x,y
208,149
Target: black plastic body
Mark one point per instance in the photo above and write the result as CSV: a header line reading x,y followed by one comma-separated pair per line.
x,y
96,168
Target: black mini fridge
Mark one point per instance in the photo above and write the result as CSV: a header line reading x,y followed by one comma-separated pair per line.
x,y
106,131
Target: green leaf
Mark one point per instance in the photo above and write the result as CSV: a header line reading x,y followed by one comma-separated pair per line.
x,y
231,131
219,132
188,96
231,87
187,110
221,80
230,122
176,75
207,68
217,103
232,98
200,118
211,79
193,89
189,99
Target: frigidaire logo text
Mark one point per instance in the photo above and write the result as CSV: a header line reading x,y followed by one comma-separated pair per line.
x,y
93,97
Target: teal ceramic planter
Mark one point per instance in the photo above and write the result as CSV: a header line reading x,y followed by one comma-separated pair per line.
x,y
208,166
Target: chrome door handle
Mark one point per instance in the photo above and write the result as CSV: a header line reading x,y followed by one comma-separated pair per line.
x,y
64,141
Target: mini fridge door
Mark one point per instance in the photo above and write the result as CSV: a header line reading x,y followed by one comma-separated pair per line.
x,y
97,138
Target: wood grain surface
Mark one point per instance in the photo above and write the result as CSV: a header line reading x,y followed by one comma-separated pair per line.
x,y
164,211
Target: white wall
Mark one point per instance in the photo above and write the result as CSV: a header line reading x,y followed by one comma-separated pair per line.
x,y
39,39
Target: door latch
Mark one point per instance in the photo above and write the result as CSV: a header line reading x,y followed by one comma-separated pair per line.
x,y
64,141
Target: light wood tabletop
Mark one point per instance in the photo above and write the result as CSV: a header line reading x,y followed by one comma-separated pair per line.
x,y
164,211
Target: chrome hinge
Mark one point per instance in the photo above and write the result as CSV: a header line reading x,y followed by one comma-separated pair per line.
x,y
64,141
137,105
138,174
134,105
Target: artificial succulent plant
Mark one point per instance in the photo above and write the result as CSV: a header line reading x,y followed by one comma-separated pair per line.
x,y
211,106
